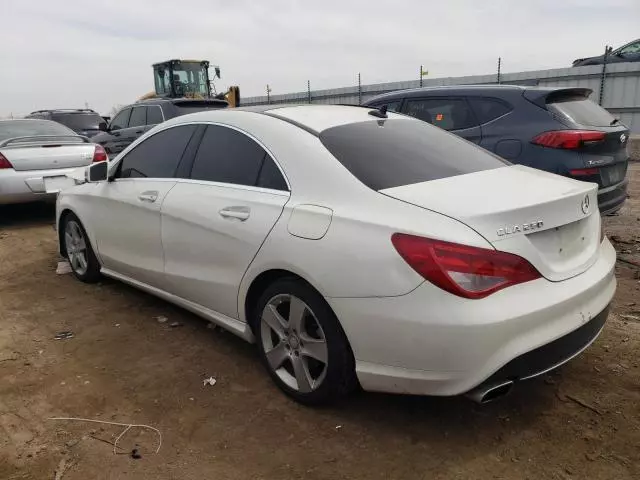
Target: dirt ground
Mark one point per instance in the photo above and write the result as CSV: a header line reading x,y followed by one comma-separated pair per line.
x,y
123,365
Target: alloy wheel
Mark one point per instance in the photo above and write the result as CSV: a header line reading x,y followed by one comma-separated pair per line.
x,y
76,247
294,343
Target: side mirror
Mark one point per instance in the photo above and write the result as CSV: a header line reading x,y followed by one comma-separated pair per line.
x,y
102,126
97,172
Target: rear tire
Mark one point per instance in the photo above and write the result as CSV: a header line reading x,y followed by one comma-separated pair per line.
x,y
77,247
302,344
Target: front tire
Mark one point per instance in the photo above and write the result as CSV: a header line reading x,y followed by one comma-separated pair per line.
x,y
83,261
302,344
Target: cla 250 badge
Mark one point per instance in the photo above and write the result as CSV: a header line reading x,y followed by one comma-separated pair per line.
x,y
524,227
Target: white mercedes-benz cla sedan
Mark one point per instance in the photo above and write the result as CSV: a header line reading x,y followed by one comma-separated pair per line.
x,y
353,246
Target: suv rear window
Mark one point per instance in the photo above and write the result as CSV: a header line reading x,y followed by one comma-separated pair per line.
x,y
78,121
390,153
579,110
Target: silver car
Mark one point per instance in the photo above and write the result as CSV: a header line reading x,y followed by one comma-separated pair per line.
x,y
36,156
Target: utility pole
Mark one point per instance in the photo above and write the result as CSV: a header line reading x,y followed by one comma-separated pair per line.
x,y
309,91
423,73
359,91
499,65
268,94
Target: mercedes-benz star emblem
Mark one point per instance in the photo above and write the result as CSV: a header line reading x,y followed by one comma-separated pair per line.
x,y
585,204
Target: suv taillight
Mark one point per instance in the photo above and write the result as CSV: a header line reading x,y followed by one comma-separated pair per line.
x,y
568,139
468,272
4,163
100,154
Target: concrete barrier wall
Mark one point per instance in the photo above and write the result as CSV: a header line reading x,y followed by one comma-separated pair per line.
x,y
621,92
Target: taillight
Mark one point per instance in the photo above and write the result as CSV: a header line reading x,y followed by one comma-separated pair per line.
x,y
4,163
583,172
468,272
568,139
99,154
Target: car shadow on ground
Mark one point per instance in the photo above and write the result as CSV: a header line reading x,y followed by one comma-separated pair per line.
x,y
27,215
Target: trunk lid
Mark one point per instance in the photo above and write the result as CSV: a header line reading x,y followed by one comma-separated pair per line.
x,y
551,221
48,153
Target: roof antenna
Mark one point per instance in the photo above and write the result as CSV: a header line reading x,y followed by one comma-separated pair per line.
x,y
380,113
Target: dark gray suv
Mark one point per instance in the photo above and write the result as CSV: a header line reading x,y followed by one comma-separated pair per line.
x,y
554,129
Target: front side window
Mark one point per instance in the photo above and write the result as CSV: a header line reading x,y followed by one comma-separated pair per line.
x,y
446,113
157,156
229,156
121,120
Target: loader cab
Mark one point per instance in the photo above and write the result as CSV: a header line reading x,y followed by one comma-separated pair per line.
x,y
182,78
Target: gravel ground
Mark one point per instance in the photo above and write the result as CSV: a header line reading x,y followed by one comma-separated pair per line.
x,y
123,365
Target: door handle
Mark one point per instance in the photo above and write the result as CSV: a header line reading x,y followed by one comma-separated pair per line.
x,y
149,196
237,213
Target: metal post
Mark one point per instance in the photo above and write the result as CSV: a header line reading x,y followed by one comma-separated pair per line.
x,y
359,91
420,76
499,65
603,75
268,94
309,91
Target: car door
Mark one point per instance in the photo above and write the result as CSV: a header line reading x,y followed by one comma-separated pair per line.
x,y
128,207
504,139
137,125
115,141
214,222
449,113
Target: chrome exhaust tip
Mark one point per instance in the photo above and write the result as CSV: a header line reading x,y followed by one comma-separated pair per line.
x,y
489,393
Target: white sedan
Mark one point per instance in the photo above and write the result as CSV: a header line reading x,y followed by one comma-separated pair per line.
x,y
36,156
353,246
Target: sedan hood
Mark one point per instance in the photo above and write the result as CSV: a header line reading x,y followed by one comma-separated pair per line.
x,y
551,221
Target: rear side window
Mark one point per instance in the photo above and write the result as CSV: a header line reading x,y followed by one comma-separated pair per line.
x,y
391,153
154,115
158,156
446,113
270,176
577,109
227,156
138,117
487,109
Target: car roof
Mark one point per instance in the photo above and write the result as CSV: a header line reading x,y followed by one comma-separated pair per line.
x,y
312,118
467,90
66,110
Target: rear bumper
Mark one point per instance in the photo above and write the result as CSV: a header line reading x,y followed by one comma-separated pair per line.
x,y
611,199
27,186
428,342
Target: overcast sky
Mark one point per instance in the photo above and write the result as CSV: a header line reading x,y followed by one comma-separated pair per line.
x,y
57,53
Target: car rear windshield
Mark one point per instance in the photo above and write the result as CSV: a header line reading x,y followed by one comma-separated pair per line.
x,y
78,121
28,128
579,110
198,106
390,153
